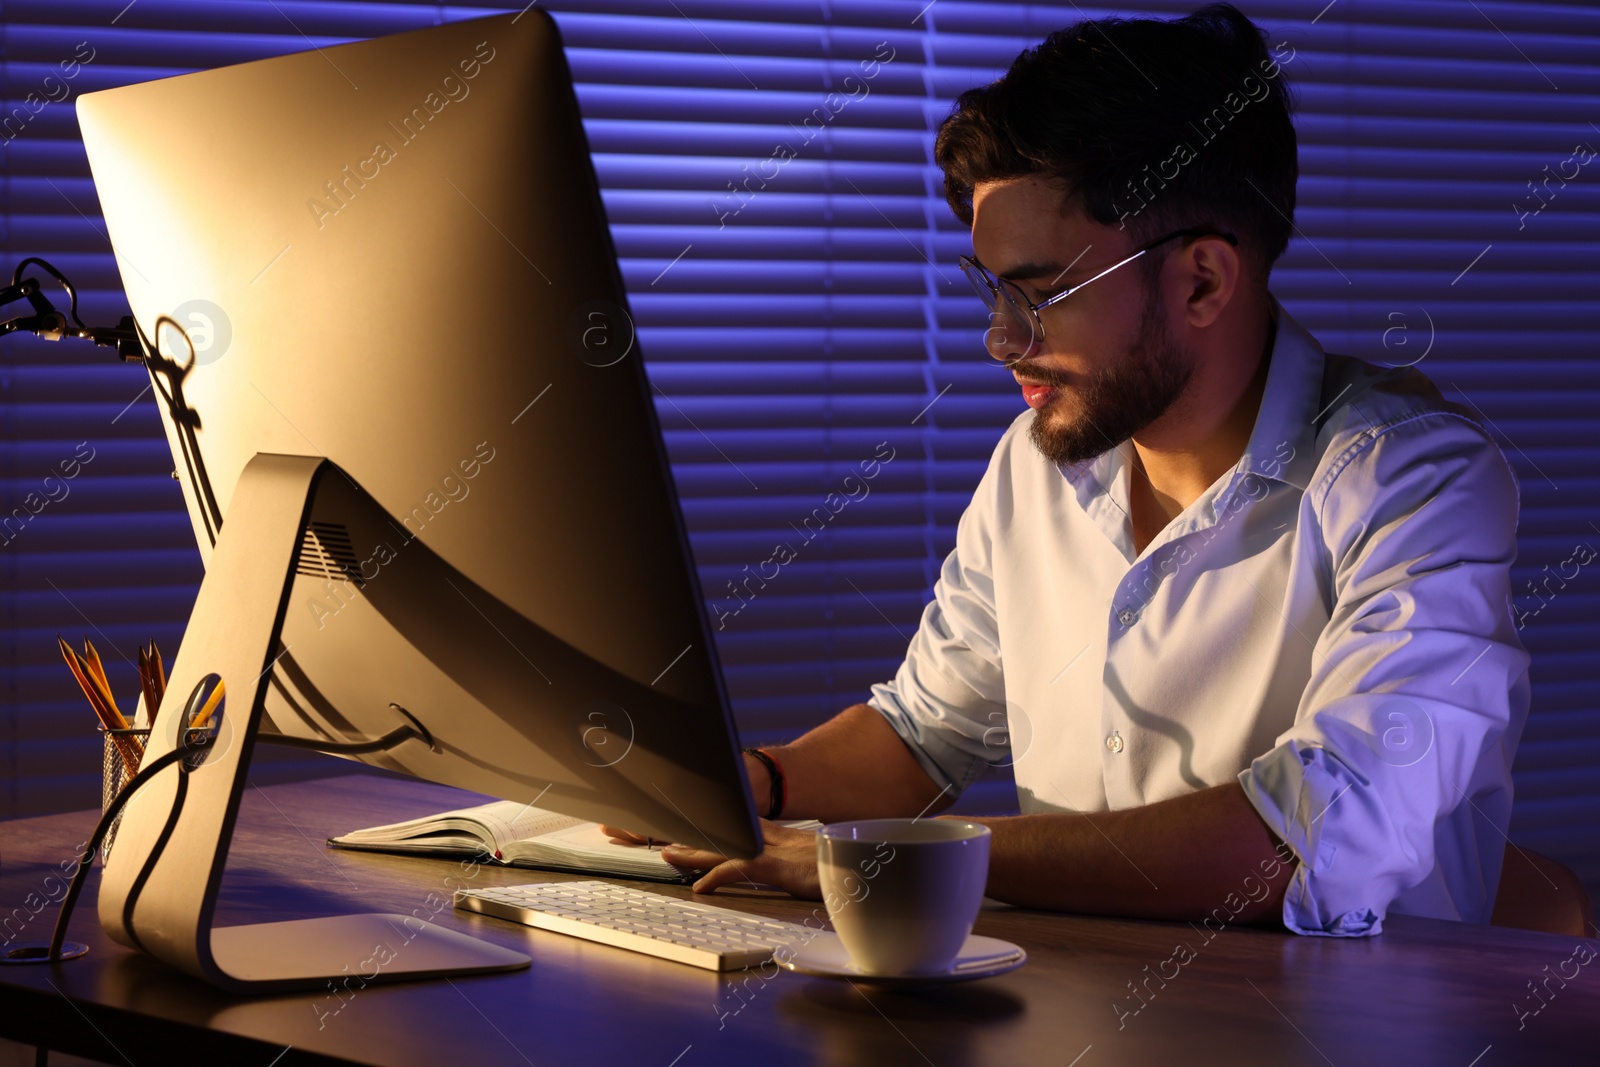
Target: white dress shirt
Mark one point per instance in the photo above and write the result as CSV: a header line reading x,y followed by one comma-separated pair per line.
x,y
1329,624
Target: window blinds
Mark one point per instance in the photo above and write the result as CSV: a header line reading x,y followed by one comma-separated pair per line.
x,y
790,264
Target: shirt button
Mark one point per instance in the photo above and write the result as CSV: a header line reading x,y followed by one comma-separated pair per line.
x,y
1114,742
1127,616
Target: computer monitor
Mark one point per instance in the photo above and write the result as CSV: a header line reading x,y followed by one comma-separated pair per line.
x,y
407,364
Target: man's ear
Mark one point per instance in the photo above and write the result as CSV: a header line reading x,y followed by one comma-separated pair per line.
x,y
1213,272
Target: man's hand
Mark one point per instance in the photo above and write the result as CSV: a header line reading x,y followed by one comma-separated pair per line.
x,y
854,766
789,861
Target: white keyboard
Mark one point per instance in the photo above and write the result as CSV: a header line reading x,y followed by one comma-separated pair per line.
x,y
718,939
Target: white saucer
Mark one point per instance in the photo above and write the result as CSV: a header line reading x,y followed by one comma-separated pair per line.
x,y
824,956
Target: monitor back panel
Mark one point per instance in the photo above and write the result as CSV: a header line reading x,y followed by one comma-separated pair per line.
x,y
393,254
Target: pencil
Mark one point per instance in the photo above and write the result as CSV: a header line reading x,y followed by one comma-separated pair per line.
x,y
80,671
97,673
210,706
160,674
145,690
155,684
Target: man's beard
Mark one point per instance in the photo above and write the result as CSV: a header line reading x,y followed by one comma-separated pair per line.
x,y
1117,401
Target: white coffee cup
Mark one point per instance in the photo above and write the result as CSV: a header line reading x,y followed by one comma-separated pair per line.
x,y
903,893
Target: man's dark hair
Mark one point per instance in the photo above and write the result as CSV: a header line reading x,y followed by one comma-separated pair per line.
x,y
1147,124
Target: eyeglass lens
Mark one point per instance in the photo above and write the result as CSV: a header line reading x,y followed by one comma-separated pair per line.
x,y
1010,319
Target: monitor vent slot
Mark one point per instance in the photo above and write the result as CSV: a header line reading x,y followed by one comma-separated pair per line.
x,y
326,552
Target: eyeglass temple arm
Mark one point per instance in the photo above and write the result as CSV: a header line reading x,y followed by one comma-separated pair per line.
x,y
1069,291
1230,238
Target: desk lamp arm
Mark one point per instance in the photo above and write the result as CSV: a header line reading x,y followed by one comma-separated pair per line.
x,y
52,325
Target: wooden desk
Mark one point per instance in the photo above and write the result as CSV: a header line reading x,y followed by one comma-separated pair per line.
x,y
1424,992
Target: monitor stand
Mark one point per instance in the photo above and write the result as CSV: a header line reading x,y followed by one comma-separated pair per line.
x,y
159,890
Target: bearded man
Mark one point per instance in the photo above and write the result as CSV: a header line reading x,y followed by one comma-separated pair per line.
x,y
1236,610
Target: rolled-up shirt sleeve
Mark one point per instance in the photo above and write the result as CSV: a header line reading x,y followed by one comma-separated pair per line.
x,y
947,700
1395,778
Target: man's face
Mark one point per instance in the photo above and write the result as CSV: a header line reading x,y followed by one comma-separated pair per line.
x,y
1109,364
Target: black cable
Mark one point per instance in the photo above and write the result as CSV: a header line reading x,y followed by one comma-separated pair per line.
x,y
72,292
349,748
81,875
153,859
413,728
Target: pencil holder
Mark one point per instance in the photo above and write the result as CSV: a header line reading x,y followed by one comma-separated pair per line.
x,y
123,749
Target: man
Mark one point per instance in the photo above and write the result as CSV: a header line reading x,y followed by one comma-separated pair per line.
x,y
1238,611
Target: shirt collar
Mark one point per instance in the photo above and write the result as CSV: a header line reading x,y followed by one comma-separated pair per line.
x,y
1281,444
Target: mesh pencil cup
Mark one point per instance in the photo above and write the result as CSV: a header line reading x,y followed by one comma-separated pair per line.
x,y
123,749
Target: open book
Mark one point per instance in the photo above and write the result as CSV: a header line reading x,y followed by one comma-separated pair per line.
x,y
520,835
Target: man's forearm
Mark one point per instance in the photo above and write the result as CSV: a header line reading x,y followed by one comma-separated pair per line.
x,y
1183,858
854,766
1204,854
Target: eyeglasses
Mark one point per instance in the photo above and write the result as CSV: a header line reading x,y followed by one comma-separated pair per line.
x,y
1009,306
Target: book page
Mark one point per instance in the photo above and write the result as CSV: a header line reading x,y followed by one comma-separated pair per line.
x,y
492,826
508,822
583,845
